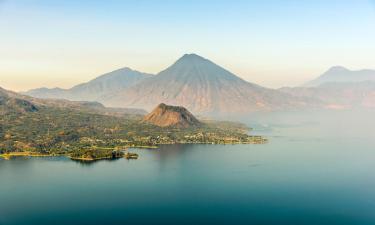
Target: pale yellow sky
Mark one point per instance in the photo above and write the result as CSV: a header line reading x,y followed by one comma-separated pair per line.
x,y
274,45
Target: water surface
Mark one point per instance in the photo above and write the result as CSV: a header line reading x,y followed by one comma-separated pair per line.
x,y
318,168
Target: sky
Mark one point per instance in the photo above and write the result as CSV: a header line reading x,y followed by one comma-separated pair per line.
x,y
271,43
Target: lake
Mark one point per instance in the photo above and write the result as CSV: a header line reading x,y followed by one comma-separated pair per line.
x,y
318,168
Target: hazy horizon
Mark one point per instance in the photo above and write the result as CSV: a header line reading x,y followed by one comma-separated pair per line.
x,y
187,112
64,43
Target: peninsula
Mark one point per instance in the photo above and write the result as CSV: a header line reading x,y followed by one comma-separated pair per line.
x,y
88,131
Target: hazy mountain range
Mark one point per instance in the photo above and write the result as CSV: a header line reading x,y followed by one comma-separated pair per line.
x,y
340,88
206,88
193,82
342,74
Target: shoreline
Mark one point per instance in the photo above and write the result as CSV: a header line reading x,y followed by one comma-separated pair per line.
x,y
8,156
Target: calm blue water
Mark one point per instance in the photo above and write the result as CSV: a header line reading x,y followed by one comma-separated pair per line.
x,y
317,169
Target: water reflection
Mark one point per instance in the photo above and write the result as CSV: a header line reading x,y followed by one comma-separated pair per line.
x,y
89,163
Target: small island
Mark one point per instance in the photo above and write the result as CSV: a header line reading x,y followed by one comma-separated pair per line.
x,y
86,136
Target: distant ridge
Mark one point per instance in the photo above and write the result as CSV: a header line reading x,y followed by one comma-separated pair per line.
x,y
338,95
339,88
342,74
166,115
95,89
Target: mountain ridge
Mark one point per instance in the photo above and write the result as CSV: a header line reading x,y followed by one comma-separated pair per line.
x,y
342,74
339,95
94,89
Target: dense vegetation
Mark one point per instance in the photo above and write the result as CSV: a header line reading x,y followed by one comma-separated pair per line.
x,y
81,134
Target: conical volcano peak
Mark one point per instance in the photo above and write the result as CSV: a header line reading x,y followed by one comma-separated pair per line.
x,y
197,71
202,86
167,115
192,58
337,69
192,55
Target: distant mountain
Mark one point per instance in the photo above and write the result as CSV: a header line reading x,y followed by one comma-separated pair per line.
x,y
339,88
57,93
203,87
95,89
341,74
165,116
339,95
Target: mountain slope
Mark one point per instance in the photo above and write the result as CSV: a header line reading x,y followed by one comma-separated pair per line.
x,y
203,87
166,115
341,74
93,90
11,103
